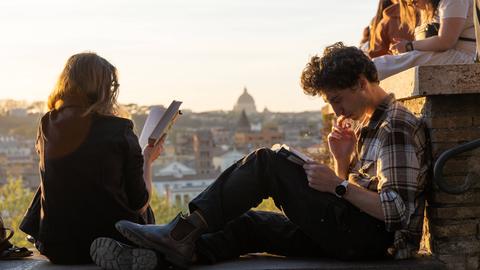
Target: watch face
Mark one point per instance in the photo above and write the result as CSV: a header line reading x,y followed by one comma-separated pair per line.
x,y
340,190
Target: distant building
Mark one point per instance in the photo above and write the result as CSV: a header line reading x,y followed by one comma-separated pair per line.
x,y
184,142
243,124
247,140
203,147
224,161
245,103
19,160
176,169
179,183
18,112
222,136
254,140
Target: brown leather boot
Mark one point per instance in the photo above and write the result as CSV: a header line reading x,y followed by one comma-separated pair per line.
x,y
178,252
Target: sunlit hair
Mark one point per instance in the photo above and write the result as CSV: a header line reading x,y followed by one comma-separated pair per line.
x,y
409,14
89,80
382,5
339,68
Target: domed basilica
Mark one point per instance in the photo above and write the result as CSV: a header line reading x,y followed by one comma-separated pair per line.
x,y
245,103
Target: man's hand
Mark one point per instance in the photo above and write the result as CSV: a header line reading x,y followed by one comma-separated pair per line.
x,y
321,177
341,140
151,153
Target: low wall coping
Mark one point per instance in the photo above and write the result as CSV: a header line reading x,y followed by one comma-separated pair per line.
x,y
434,80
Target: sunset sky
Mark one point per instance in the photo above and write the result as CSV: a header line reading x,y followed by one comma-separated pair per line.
x,y
202,52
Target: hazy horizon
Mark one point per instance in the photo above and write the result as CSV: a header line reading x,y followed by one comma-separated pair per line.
x,y
202,53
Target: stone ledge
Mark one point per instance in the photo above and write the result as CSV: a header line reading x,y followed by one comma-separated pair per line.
x,y
434,80
255,262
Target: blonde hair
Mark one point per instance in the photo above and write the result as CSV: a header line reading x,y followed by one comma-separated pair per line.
x,y
382,5
90,80
409,15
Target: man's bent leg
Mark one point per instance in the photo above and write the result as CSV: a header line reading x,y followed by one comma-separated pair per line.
x,y
260,175
330,221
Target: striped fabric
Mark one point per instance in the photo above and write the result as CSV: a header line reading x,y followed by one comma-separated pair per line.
x,y
391,159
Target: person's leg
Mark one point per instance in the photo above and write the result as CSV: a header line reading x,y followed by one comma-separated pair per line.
x,y
336,226
256,231
326,219
265,174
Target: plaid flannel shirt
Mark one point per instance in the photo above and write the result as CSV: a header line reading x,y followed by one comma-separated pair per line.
x,y
390,159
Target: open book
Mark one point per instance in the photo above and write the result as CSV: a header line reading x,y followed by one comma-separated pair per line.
x,y
291,154
158,123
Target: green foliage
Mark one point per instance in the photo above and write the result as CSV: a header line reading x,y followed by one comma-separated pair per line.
x,y
164,212
15,199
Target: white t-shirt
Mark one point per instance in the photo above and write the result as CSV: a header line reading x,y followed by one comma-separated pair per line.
x,y
456,9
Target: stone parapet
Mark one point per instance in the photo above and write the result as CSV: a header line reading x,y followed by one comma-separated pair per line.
x,y
447,98
435,80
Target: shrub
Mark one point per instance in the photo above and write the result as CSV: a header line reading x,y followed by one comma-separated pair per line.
x,y
15,199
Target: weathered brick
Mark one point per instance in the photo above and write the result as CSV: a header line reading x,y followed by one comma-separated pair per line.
x,y
461,164
473,263
448,105
459,230
455,135
415,105
449,122
454,212
456,246
439,147
453,180
476,120
453,261
470,197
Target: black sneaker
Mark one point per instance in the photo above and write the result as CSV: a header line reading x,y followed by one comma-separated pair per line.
x,y
113,255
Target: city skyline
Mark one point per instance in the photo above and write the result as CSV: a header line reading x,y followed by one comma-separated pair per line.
x,y
202,53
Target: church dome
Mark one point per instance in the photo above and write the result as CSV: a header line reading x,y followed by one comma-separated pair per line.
x,y
245,103
245,97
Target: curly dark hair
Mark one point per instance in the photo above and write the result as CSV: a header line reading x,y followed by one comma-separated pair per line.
x,y
339,68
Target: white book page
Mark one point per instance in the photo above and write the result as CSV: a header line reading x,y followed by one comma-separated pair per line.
x,y
300,154
153,117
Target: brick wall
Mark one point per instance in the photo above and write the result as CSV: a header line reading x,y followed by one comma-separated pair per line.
x,y
453,117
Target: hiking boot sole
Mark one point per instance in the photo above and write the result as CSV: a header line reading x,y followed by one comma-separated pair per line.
x,y
173,257
111,255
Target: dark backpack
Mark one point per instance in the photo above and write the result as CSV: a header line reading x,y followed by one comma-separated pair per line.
x,y
7,250
5,235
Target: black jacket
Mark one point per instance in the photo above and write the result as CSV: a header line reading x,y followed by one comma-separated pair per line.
x,y
91,176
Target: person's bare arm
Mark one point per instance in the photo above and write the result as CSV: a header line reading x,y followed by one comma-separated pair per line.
x,y
448,34
150,154
322,178
366,200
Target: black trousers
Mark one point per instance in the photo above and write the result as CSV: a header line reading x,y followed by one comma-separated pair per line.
x,y
317,224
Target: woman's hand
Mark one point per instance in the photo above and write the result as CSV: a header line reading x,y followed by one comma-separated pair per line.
x,y
398,46
151,153
342,140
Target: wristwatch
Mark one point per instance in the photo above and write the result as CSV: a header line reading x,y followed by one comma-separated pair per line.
x,y
341,189
409,46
